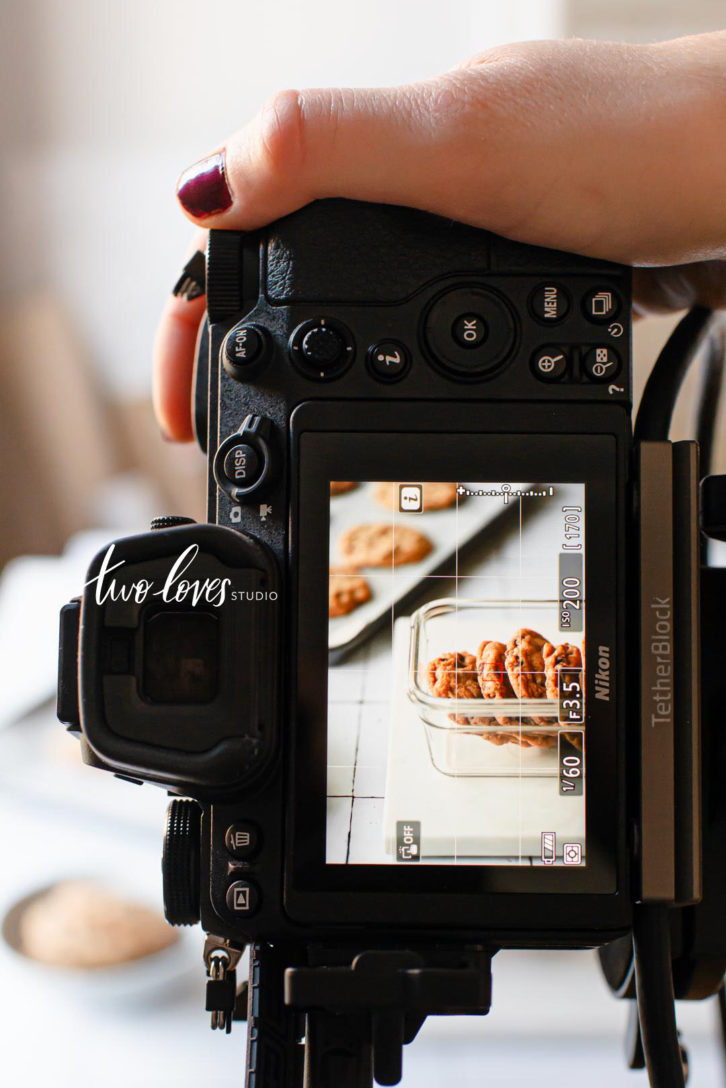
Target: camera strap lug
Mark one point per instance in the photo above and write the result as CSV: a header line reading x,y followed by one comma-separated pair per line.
x,y
221,962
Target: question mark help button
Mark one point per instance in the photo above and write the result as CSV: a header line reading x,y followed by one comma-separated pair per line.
x,y
388,360
601,364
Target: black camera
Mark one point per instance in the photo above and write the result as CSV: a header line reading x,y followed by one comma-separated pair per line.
x,y
491,736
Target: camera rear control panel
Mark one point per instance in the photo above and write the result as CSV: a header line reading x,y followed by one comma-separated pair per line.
x,y
466,334
351,302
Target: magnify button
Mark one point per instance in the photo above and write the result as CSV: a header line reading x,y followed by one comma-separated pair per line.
x,y
549,363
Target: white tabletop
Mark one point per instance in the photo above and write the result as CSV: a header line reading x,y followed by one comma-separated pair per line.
x,y
553,1020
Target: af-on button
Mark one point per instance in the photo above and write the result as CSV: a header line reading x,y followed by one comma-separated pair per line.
x,y
245,348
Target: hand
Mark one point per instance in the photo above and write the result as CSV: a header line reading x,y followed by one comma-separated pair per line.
x,y
615,151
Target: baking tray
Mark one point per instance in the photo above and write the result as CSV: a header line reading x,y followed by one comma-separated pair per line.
x,y
465,522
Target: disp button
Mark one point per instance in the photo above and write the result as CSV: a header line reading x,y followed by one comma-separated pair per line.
x,y
242,465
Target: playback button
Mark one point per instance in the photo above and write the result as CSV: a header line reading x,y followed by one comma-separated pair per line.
x,y
242,898
551,362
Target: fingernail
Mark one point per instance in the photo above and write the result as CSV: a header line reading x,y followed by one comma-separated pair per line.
x,y
202,189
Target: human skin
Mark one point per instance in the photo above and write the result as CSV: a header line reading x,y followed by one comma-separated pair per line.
x,y
612,150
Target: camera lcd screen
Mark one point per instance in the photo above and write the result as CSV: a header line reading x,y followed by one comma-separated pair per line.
x,y
456,704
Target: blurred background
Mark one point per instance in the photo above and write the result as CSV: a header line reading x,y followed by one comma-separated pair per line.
x,y
102,104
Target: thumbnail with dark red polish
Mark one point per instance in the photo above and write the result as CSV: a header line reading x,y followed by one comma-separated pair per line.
x,y
203,189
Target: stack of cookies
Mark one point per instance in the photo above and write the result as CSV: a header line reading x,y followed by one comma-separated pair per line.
x,y
527,667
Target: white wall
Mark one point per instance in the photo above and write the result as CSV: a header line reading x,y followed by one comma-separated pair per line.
x,y
104,103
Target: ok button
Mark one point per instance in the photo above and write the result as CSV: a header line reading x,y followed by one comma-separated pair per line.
x,y
469,330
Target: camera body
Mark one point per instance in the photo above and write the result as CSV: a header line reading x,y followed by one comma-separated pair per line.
x,y
372,344
365,339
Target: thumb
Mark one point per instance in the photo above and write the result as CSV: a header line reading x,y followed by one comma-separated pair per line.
x,y
380,144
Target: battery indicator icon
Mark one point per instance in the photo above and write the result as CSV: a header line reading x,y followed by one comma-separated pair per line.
x,y
549,847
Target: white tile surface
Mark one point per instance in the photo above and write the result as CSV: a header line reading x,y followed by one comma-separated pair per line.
x,y
342,747
366,832
370,781
338,815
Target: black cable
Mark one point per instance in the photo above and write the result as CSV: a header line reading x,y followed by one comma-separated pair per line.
x,y
656,1002
721,999
710,395
653,421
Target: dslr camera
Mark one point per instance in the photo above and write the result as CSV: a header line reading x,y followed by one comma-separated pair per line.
x,y
432,681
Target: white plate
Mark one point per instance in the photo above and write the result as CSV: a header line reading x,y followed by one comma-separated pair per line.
x,y
147,977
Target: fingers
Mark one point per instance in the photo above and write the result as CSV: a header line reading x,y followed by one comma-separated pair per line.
x,y
374,144
567,144
678,287
174,354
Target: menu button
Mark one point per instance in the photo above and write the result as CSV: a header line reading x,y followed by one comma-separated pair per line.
x,y
549,303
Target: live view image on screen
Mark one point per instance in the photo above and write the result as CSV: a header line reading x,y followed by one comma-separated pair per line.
x,y
456,698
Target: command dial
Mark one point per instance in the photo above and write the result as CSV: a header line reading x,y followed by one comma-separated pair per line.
x,y
180,863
